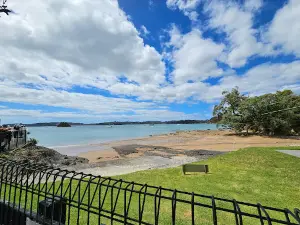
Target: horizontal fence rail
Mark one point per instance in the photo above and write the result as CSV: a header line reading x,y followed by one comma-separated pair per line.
x,y
46,195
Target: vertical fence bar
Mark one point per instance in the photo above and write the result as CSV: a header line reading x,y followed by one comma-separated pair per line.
x,y
112,199
193,208
237,210
214,210
174,207
142,203
78,201
89,200
70,197
266,214
295,215
4,218
127,206
3,205
157,199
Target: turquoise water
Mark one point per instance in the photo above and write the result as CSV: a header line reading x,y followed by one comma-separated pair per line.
x,y
77,135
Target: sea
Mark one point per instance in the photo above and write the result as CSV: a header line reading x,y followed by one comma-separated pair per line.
x,y
51,136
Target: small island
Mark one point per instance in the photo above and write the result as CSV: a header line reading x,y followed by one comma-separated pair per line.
x,y
63,124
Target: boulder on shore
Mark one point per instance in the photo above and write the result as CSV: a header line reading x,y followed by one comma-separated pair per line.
x,y
42,155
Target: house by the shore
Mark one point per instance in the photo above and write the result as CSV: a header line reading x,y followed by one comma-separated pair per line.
x,y
12,137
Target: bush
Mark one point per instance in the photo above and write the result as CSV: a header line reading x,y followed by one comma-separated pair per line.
x,y
33,141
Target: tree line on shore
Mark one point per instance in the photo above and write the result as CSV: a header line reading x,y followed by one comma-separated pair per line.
x,y
212,120
269,114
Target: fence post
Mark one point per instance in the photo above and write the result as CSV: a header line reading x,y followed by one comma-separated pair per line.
x,y
55,210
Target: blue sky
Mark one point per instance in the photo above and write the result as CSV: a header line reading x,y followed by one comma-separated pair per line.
x,y
91,61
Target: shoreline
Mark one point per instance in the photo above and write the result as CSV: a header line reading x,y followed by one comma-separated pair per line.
x,y
212,140
84,148
163,151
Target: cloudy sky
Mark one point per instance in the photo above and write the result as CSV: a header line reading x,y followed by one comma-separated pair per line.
x,y
91,60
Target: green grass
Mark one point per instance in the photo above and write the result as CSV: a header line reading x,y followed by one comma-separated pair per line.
x,y
252,175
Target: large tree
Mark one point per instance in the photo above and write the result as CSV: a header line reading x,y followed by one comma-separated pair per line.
x,y
271,114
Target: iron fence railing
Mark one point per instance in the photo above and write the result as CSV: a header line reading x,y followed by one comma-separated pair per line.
x,y
46,195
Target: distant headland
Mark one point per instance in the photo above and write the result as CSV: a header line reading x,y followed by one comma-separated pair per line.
x,y
63,124
210,121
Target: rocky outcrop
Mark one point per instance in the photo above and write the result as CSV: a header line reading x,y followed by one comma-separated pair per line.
x,y
38,154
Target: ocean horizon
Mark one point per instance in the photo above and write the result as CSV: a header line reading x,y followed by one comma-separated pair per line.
x,y
51,136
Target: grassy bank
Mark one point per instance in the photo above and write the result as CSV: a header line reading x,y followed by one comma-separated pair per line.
x,y
252,175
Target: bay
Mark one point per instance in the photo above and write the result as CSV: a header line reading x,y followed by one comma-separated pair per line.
x,y
51,136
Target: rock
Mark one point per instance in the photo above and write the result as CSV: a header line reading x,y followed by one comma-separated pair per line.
x,y
67,163
42,155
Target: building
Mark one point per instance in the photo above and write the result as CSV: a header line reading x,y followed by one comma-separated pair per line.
x,y
12,137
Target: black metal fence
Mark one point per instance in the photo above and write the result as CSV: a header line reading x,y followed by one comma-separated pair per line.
x,y
32,192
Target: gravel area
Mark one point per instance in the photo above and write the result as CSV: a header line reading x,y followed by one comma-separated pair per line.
x,y
291,152
151,159
126,166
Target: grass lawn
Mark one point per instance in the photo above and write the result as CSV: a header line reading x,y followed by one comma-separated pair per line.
x,y
252,175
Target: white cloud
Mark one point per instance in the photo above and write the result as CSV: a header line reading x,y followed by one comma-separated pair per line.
x,y
89,102
188,7
33,116
194,57
144,31
266,78
284,30
253,5
50,46
236,21
75,42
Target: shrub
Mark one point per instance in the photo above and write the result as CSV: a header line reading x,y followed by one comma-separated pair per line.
x,y
33,141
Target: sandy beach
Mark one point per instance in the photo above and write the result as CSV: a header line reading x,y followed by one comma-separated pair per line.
x,y
169,150
181,142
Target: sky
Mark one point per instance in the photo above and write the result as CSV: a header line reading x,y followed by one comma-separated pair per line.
x,y
134,60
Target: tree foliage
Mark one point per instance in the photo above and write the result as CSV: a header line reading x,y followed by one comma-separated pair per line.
x,y
270,114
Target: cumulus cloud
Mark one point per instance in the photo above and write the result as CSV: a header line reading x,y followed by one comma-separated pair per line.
x,y
266,78
261,79
75,42
284,30
236,21
193,56
51,46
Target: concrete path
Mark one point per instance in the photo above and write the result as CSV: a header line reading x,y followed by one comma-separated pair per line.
x,y
291,152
